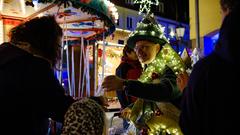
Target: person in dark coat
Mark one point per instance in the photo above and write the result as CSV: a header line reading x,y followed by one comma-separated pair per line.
x,y
30,94
210,98
226,8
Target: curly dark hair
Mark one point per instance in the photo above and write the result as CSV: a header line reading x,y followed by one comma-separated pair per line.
x,y
43,34
228,4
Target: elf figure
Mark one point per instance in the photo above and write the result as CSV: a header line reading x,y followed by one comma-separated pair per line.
x,y
156,111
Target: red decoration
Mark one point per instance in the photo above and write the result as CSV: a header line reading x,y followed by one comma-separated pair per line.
x,y
155,76
85,1
99,52
13,22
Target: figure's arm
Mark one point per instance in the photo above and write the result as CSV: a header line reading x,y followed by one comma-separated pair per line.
x,y
166,90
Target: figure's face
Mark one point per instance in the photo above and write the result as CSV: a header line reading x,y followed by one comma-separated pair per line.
x,y
146,51
132,55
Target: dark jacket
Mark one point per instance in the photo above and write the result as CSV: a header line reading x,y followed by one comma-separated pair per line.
x,y
210,100
29,93
166,90
128,69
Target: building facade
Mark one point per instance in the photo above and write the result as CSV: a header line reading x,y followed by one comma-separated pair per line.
x,y
169,13
210,20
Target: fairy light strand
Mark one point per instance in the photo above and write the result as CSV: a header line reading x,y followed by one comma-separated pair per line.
x,y
166,57
145,5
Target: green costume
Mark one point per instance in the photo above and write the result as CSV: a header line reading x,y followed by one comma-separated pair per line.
x,y
151,117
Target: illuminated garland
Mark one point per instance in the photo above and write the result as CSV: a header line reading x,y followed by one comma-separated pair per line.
x,y
153,118
145,5
166,57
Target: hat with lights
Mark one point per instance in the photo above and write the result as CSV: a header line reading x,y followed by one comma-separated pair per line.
x,y
148,29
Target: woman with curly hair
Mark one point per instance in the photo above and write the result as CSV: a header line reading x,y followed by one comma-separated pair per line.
x,y
30,93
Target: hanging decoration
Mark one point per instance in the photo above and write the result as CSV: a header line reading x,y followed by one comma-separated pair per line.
x,y
145,5
100,52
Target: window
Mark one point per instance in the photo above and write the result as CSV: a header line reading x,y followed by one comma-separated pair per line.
x,y
129,22
121,42
161,7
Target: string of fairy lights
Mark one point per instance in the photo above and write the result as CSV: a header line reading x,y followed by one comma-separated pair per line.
x,y
145,5
167,57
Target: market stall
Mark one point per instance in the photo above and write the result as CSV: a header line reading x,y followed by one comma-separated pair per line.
x,y
84,22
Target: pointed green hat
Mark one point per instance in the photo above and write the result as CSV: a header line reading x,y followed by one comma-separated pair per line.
x,y
147,29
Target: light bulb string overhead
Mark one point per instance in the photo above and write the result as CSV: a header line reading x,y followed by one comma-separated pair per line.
x,y
145,5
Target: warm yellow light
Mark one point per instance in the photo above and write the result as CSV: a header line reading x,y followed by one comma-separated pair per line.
x,y
166,57
1,5
23,6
